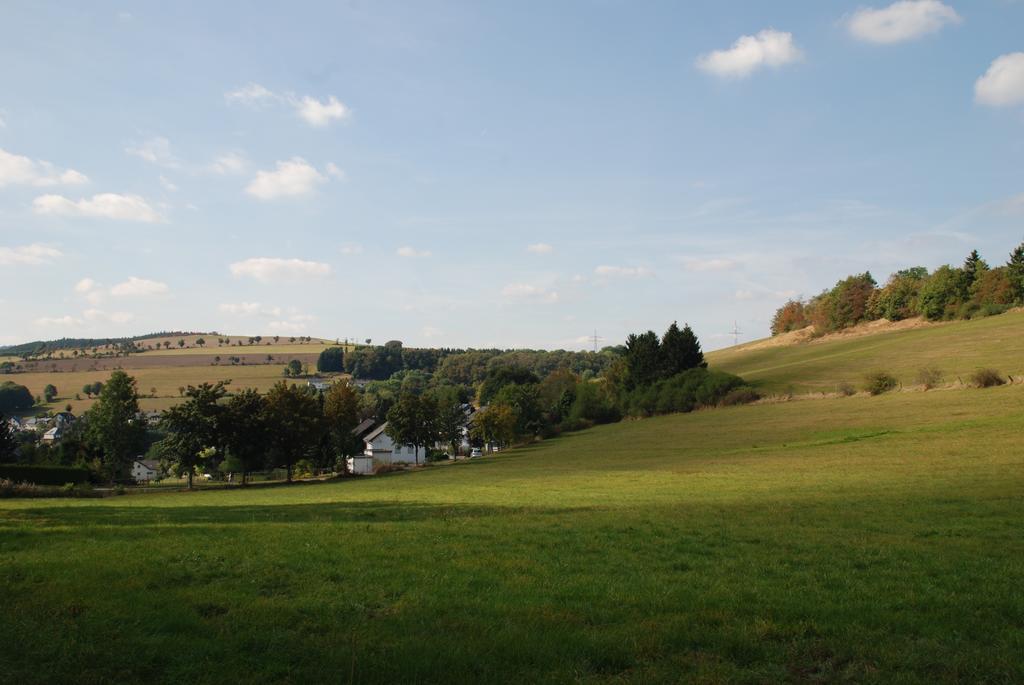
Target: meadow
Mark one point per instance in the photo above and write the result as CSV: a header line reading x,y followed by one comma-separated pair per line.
x,y
867,539
956,348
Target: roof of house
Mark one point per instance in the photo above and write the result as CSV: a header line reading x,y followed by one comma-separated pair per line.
x,y
370,437
54,433
151,464
364,427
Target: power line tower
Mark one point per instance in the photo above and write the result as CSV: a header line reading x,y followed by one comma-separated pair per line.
x,y
736,333
595,338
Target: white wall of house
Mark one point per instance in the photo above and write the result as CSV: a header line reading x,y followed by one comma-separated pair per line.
x,y
360,466
142,473
384,450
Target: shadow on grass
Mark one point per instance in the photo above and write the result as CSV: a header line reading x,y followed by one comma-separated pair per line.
x,y
228,515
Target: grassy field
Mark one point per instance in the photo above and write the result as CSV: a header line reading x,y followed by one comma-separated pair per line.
x,y
956,348
866,539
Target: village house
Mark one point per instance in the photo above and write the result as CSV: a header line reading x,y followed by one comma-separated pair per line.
x,y
383,449
145,470
54,434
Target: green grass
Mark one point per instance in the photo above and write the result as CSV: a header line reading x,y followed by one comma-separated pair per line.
x,y
858,539
957,349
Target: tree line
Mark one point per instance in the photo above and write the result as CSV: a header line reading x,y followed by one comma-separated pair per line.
x,y
971,290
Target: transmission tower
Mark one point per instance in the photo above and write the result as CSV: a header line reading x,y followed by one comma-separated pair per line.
x,y
736,333
595,338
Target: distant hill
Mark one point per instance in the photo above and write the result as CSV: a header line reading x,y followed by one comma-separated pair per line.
x,y
80,343
801,364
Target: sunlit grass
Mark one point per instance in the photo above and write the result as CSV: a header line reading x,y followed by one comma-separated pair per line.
x,y
868,539
957,349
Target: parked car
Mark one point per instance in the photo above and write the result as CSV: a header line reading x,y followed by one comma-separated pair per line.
x,y
475,453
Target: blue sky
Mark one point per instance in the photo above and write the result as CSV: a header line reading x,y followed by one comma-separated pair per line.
x,y
492,174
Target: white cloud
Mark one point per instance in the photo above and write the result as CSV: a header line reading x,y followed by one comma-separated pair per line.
x,y
623,271
155,151
86,285
901,21
111,317
1003,83
268,269
58,321
351,250
313,111
250,309
30,255
104,205
138,287
287,327
289,179
316,113
411,252
230,163
431,332
769,48
540,248
708,264
18,169
168,184
529,292
251,95
335,171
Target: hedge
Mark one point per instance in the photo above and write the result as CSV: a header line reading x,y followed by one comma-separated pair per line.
x,y
43,475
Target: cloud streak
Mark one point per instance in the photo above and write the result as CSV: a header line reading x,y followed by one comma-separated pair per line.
x,y
769,48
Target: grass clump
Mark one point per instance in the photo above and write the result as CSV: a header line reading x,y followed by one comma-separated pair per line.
x,y
929,377
744,395
987,378
846,389
878,382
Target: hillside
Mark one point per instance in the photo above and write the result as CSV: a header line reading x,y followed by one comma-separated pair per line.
x,y
956,348
864,539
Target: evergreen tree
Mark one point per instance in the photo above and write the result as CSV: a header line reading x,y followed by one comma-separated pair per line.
x,y
1015,267
972,269
113,426
692,357
643,359
673,351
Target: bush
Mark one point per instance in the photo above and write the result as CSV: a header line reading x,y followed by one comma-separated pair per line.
x,y
929,377
379,469
683,392
878,382
846,389
43,475
10,488
744,395
987,378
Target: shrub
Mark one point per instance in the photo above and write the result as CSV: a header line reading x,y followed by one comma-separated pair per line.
x,y
846,389
43,475
878,382
987,378
743,395
379,469
929,377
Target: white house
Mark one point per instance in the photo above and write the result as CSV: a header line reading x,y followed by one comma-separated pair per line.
x,y
144,470
54,434
383,449
320,384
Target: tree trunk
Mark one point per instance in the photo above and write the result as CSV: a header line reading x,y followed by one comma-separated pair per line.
x,y
289,479
190,480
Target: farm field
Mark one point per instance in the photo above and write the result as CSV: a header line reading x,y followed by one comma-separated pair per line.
x,y
867,539
166,379
956,348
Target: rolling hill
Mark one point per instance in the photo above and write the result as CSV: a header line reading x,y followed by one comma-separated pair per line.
x,y
956,348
